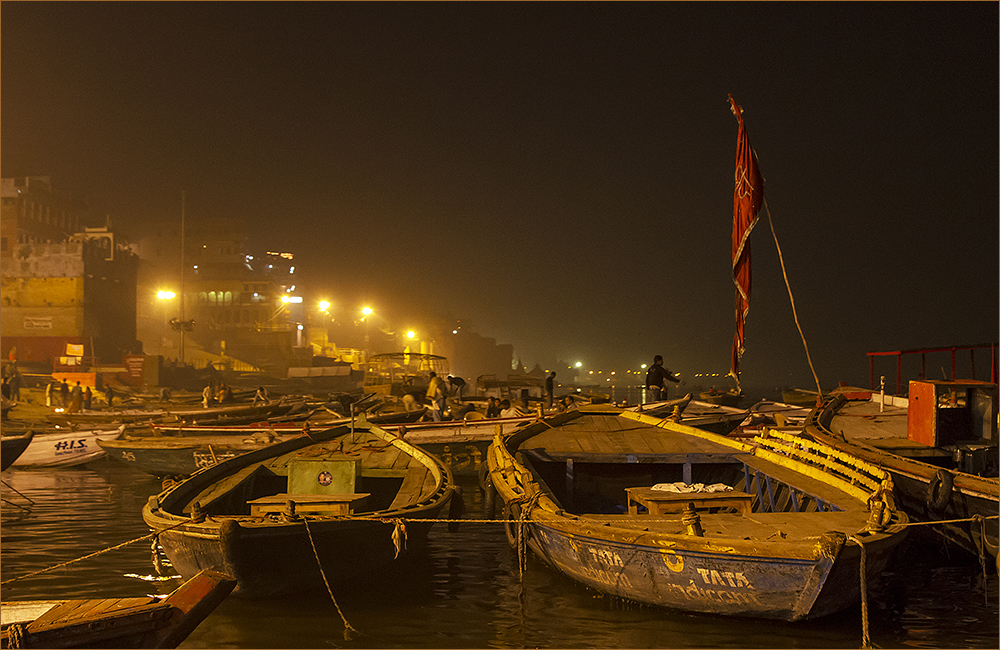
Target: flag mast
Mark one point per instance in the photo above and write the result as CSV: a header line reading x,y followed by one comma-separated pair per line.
x,y
748,197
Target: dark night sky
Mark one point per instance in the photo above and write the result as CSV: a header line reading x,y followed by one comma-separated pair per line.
x,y
558,175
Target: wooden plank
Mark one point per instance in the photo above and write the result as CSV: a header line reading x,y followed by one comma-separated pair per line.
x,y
383,459
638,441
409,491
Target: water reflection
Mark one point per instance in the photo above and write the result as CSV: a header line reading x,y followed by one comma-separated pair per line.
x,y
462,590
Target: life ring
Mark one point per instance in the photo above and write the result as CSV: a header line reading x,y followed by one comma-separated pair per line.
x,y
939,490
511,515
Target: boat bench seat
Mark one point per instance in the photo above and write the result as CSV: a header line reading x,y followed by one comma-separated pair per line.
x,y
305,504
660,502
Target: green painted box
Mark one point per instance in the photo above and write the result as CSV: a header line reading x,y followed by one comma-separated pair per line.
x,y
323,476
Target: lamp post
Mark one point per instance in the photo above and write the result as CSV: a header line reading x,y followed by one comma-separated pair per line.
x,y
365,313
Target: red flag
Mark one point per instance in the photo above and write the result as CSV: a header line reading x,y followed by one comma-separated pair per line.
x,y
748,196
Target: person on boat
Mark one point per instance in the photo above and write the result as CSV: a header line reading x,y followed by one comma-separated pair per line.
x,y
493,408
88,399
456,384
260,397
550,387
109,393
165,393
206,396
15,386
507,410
64,393
567,403
48,394
655,377
437,394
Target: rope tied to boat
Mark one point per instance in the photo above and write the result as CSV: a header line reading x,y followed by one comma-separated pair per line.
x,y
347,626
525,504
16,635
154,535
865,638
398,535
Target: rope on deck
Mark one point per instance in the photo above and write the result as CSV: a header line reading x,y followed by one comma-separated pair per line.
x,y
96,553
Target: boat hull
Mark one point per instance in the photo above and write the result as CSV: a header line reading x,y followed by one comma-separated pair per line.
x,y
773,581
277,560
11,448
64,449
970,496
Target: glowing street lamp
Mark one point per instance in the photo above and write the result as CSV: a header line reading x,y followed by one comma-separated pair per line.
x,y
324,305
411,334
165,295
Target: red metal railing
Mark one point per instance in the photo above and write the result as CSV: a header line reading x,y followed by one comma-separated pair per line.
x,y
953,349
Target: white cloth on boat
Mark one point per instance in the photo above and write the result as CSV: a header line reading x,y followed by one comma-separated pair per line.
x,y
683,488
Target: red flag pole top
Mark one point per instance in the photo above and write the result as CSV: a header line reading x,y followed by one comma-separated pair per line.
x,y
748,196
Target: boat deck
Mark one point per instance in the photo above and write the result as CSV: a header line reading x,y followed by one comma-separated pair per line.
x,y
610,435
864,420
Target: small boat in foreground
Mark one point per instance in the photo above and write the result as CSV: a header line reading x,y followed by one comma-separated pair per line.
x,y
665,514
114,622
940,446
11,448
329,506
65,448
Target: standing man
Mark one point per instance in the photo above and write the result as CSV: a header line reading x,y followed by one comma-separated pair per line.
x,y
550,387
436,393
64,393
655,376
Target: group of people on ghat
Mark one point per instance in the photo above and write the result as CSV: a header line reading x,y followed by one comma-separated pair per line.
x,y
440,390
76,398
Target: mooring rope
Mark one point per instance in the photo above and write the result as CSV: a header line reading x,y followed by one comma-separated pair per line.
x,y
95,554
347,626
865,638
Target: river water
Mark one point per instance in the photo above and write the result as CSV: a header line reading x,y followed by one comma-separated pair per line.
x,y
462,591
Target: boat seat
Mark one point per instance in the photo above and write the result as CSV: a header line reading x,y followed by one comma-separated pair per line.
x,y
306,504
660,502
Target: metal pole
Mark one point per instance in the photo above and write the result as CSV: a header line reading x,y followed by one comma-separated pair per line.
x,y
182,276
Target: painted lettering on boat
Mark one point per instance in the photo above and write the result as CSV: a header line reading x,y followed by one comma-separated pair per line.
x,y
606,557
724,578
70,445
610,578
203,459
128,455
673,561
694,592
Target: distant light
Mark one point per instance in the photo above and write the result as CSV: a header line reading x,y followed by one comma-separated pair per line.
x,y
285,299
579,364
299,327
324,305
454,331
591,372
270,266
367,311
411,334
295,299
643,366
291,270
165,295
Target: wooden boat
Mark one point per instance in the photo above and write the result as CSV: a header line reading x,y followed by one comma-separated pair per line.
x,y
332,506
281,427
784,543
65,448
709,416
114,622
460,444
177,457
940,446
727,397
11,447
800,397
